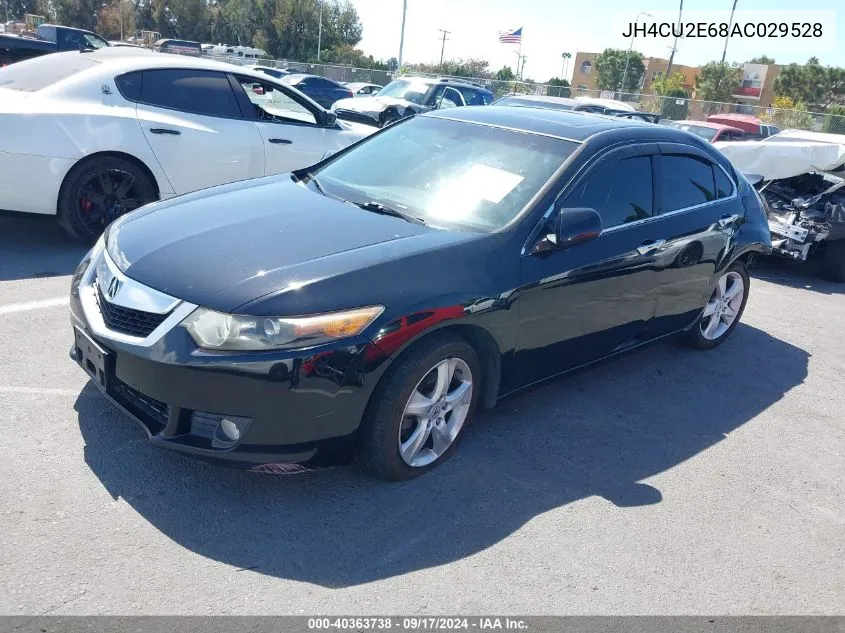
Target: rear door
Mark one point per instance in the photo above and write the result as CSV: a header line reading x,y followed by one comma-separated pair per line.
x,y
192,122
699,213
291,129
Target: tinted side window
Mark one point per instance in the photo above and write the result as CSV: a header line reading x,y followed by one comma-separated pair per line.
x,y
621,191
197,91
129,85
689,181
724,186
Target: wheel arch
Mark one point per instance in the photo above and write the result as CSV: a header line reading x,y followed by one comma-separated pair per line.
x,y
106,154
477,337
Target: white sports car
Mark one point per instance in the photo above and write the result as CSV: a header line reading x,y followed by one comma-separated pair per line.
x,y
92,135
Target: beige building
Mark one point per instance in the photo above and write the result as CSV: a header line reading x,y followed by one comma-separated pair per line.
x,y
584,72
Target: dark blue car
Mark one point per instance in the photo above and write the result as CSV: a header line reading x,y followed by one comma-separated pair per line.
x,y
323,91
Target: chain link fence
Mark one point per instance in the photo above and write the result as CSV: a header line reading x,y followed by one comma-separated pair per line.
x,y
668,107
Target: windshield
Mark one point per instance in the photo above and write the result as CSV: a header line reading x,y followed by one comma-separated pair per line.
x,y
707,133
447,173
37,73
409,90
95,41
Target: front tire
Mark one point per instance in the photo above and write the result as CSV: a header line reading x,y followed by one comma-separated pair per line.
x,y
724,309
98,191
419,410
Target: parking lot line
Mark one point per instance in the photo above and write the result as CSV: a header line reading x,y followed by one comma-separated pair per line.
x,y
34,305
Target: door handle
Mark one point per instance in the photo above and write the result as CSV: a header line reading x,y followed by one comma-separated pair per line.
x,y
280,141
164,130
725,220
651,245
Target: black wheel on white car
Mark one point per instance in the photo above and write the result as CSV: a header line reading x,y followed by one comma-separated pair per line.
x,y
420,408
834,261
98,191
724,309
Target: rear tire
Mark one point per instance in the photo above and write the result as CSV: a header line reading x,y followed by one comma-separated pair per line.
x,y
99,190
834,261
723,311
399,409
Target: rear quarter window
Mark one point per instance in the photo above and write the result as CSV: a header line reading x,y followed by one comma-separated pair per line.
x,y
129,85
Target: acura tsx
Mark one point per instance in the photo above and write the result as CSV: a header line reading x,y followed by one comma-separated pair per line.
x,y
367,306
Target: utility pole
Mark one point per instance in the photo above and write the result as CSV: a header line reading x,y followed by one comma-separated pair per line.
x,y
443,45
402,34
675,45
628,54
730,26
7,10
320,32
120,8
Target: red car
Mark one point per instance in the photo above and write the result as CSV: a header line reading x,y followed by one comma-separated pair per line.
x,y
710,131
748,123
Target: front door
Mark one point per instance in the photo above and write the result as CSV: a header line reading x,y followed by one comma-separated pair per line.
x,y
292,131
583,303
193,124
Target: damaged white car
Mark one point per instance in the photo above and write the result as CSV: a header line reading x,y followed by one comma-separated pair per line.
x,y
802,179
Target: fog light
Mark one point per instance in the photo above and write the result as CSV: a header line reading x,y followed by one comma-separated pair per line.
x,y
230,429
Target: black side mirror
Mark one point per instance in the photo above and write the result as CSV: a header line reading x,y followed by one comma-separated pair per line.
x,y
571,226
331,119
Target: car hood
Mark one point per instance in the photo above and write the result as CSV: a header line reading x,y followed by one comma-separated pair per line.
x,y
229,246
373,104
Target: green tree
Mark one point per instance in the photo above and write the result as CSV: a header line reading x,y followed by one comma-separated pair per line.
x,y
477,68
19,8
348,55
504,74
610,69
811,83
670,91
82,14
717,81
834,120
558,87
297,23
763,59
788,114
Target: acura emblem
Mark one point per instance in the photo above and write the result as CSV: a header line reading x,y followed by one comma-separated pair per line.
x,y
113,287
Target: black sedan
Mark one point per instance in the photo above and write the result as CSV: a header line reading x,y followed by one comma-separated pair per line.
x,y
368,305
323,91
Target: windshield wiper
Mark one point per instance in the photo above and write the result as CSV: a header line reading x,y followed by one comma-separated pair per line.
x,y
378,207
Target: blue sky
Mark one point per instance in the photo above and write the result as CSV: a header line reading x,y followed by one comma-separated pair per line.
x,y
552,27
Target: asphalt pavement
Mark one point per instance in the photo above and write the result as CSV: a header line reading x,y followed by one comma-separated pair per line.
x,y
668,481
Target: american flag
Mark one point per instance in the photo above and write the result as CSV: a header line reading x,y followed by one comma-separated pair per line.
x,y
511,37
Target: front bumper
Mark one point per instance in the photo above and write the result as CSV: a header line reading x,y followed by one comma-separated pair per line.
x,y
297,407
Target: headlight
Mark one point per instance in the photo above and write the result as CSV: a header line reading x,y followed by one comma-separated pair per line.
x,y
219,331
91,256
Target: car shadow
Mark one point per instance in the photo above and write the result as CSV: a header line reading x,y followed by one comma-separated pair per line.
x,y
599,432
805,275
36,246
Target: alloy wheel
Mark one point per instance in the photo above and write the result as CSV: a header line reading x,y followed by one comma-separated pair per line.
x,y
724,306
435,412
105,195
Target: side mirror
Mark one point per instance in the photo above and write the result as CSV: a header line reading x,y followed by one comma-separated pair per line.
x,y
330,120
571,226
258,89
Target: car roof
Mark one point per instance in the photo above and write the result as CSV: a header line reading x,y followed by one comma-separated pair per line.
x,y
748,118
542,99
566,124
443,80
121,59
707,124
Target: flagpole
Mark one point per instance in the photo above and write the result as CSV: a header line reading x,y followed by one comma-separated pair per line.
x,y
519,57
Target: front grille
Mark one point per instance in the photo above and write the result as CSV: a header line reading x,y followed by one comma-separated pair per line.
x,y
149,408
126,320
